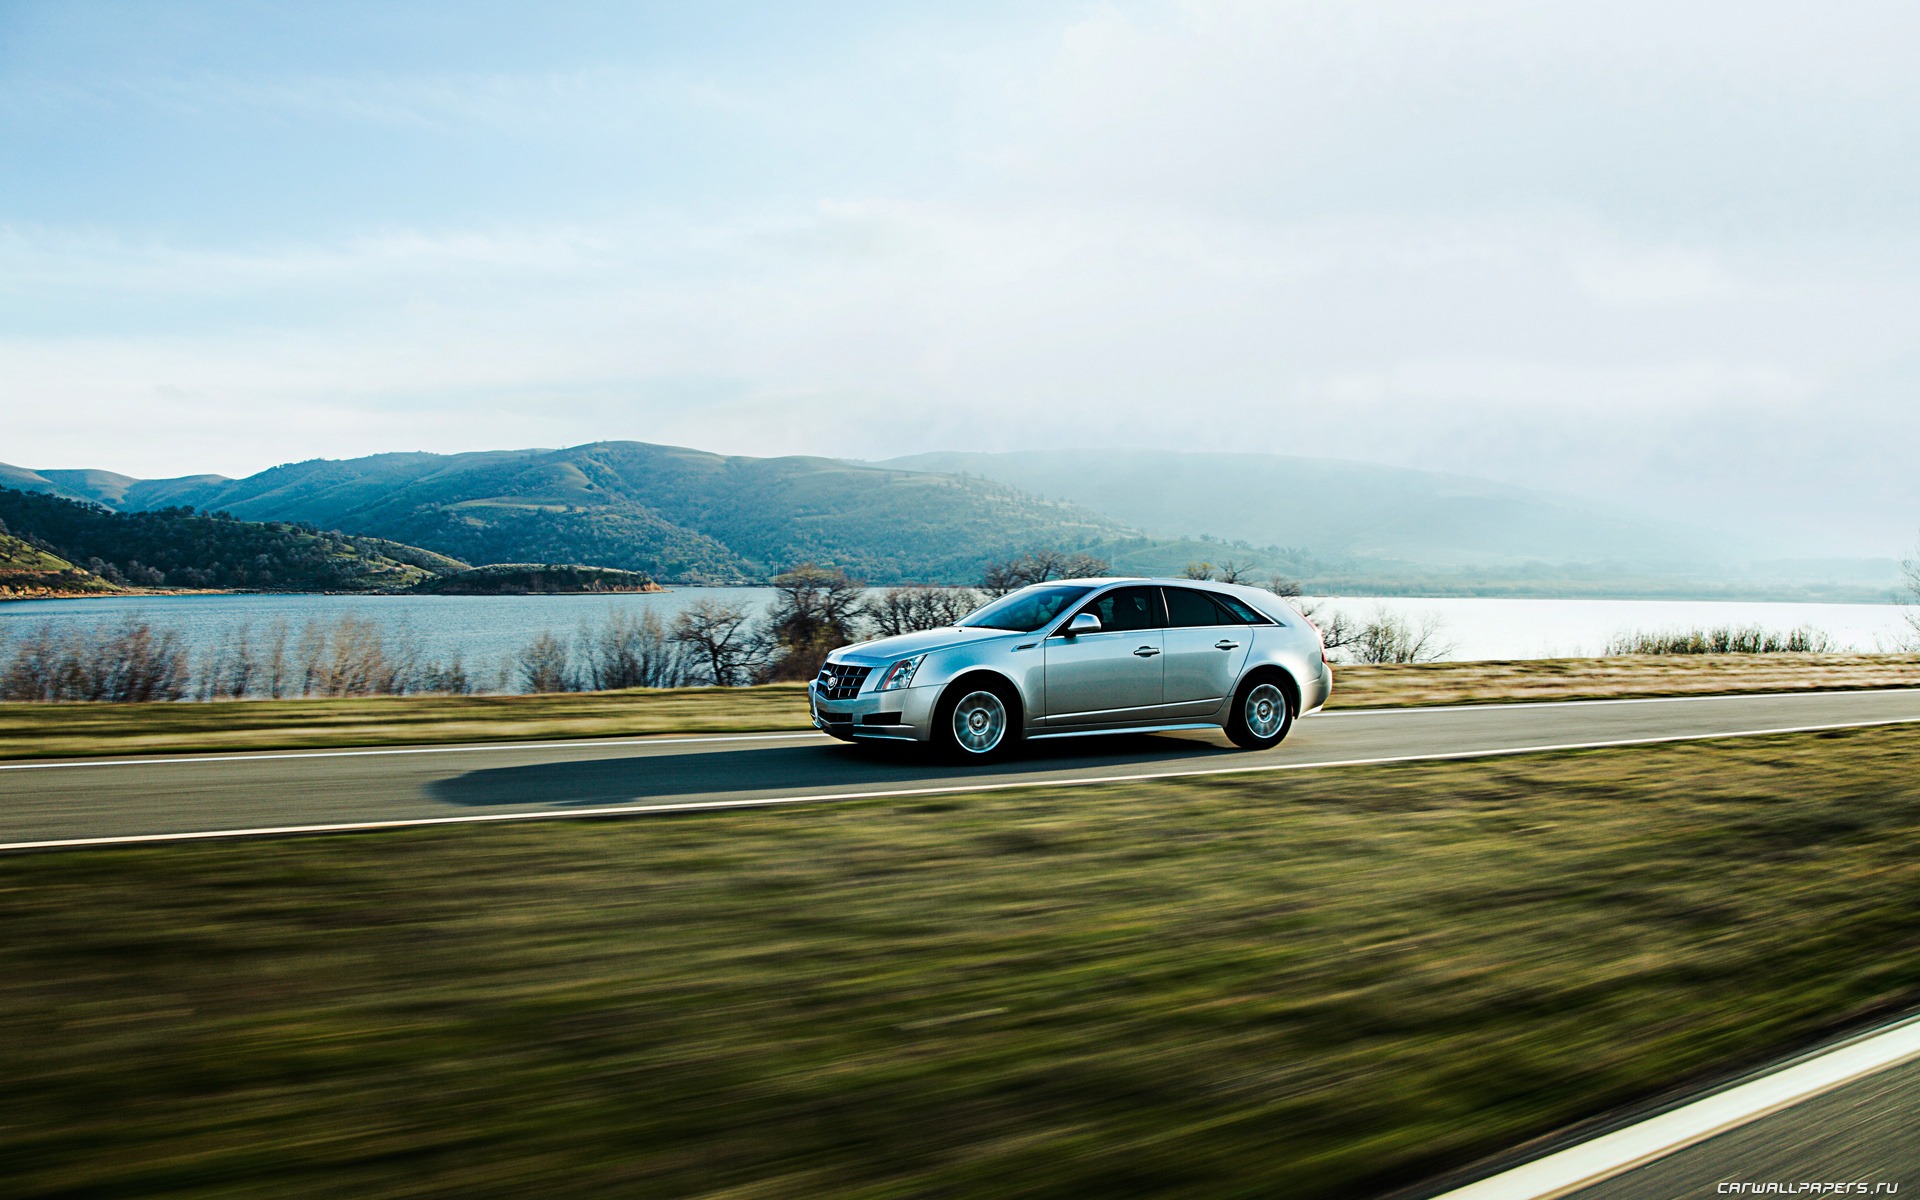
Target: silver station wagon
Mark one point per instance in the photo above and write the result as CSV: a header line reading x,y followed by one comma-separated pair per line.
x,y
1083,656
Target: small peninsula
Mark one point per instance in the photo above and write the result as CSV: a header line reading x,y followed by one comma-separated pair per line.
x,y
536,579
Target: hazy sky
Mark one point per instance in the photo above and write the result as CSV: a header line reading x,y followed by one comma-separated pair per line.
x,y
1667,252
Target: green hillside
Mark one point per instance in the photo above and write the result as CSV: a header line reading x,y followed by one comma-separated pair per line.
x,y
668,511
176,547
27,570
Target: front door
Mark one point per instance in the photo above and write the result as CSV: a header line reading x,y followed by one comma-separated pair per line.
x,y
1206,645
1111,677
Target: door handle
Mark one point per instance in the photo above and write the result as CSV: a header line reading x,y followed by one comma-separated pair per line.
x,y
1146,652
1224,644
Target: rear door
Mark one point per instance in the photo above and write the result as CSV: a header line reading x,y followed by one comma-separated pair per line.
x,y
1206,646
1111,677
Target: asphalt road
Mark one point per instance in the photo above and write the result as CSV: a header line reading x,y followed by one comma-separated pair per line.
x,y
1839,1119
1867,1132
106,798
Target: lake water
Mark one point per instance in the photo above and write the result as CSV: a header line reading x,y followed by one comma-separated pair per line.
x,y
486,630
1506,629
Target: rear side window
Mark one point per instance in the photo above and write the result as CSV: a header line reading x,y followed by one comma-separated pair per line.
x,y
1243,612
1187,608
1125,609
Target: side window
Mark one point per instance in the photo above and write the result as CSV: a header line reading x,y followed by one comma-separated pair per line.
x,y
1243,613
1126,609
1187,608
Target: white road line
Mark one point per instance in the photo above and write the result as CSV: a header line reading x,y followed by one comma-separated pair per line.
x,y
577,743
636,810
1504,706
464,748
1616,1153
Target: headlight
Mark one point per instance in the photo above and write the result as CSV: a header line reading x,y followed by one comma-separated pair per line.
x,y
900,674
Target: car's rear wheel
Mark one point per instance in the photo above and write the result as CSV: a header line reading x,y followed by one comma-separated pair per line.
x,y
978,721
1262,714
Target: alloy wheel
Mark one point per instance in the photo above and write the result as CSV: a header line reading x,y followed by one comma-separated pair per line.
x,y
1266,711
979,722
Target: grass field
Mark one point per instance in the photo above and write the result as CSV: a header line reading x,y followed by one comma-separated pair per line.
x,y
1315,985
73,730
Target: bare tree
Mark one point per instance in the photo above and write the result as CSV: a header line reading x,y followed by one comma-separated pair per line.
x,y
1910,567
311,653
227,670
722,640
1387,638
630,651
448,679
130,664
1039,566
1233,571
916,607
239,680
274,663
1337,630
546,665
814,609
353,657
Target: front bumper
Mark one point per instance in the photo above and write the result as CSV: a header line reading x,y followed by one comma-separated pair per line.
x,y
901,715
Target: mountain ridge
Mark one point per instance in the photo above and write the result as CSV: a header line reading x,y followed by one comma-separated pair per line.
x,y
683,515
1335,507
671,512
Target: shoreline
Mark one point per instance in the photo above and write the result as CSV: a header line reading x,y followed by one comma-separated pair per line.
x,y
164,593
1880,600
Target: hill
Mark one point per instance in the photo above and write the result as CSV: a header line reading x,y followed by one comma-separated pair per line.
x,y
1332,508
534,579
28,571
688,515
177,547
119,492
671,512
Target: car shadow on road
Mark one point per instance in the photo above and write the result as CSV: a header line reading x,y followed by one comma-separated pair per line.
x,y
642,777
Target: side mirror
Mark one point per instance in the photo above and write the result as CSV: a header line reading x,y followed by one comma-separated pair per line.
x,y
1083,623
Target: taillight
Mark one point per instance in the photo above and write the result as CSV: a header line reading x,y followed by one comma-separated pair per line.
x,y
1324,656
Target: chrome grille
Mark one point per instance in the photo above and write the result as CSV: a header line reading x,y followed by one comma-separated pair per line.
x,y
838,681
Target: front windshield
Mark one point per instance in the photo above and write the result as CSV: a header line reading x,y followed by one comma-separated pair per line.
x,y
1027,609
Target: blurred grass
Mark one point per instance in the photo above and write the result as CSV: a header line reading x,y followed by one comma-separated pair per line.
x,y
1312,985
77,730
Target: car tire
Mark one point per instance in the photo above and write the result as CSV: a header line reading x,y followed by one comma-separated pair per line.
x,y
1262,713
977,721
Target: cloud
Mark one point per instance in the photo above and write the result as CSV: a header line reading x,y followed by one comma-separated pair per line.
x,y
1652,252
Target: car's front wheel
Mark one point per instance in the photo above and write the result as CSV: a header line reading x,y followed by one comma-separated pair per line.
x,y
1262,714
977,721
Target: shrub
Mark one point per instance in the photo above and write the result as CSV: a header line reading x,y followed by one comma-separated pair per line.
x,y
1724,639
130,663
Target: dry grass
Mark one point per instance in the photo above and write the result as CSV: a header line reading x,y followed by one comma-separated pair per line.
x,y
1625,675
73,730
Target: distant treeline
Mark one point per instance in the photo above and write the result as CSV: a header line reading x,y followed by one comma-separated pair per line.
x,y
182,548
533,579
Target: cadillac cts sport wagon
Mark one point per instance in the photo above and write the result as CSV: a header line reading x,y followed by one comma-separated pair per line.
x,y
1083,656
